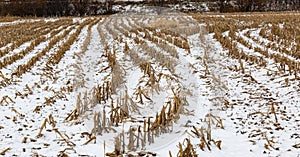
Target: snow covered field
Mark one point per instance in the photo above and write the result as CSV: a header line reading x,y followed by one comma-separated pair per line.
x,y
157,85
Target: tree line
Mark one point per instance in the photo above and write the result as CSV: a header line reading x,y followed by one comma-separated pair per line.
x,y
95,7
259,5
54,7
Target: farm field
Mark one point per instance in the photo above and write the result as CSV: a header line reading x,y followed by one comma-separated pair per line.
x,y
162,85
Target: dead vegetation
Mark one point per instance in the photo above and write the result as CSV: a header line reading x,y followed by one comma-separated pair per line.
x,y
155,51
265,42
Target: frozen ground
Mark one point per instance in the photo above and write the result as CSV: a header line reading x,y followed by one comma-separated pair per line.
x,y
237,109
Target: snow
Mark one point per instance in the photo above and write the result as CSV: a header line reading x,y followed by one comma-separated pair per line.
x,y
204,93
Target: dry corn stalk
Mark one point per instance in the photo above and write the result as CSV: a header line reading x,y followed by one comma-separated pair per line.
x,y
63,154
218,144
73,115
79,105
188,151
200,134
272,110
64,138
98,127
91,138
241,63
42,127
5,79
147,68
18,113
203,141
296,145
103,92
269,143
4,151
139,95
6,99
211,119
130,103
29,89
49,101
51,120
170,154
101,123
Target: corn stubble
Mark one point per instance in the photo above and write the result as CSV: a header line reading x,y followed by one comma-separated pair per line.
x,y
272,39
117,108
